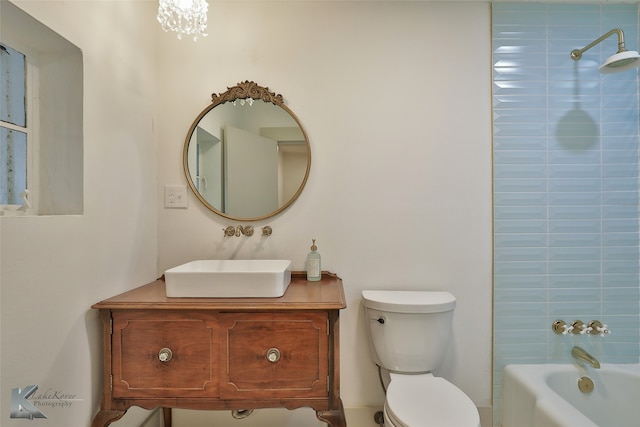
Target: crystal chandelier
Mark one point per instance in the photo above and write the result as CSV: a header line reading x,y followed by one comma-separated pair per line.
x,y
184,17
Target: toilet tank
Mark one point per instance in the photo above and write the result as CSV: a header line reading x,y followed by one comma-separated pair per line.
x,y
408,331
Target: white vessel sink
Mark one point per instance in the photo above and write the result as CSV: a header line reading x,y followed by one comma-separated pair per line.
x,y
229,279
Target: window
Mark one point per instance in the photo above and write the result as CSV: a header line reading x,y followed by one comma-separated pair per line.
x,y
41,117
17,133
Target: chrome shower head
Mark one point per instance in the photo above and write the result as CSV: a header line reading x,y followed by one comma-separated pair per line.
x,y
622,60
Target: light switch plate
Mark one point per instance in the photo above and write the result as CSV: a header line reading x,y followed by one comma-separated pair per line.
x,y
175,196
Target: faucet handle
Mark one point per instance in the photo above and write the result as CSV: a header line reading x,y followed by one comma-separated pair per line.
x,y
598,327
229,231
561,327
603,330
586,330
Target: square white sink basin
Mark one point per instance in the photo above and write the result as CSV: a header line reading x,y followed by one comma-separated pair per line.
x,y
229,279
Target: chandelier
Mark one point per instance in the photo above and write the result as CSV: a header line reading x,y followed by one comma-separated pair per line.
x,y
188,17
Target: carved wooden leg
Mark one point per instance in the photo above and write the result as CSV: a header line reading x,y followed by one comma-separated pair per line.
x,y
333,417
166,417
106,417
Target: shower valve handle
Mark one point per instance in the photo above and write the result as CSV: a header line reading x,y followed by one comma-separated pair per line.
x,y
603,330
586,330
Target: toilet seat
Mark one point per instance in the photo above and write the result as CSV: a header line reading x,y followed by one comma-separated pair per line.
x,y
428,401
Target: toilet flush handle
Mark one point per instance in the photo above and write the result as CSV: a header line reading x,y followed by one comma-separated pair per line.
x,y
381,320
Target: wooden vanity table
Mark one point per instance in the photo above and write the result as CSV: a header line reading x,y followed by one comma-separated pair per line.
x,y
223,353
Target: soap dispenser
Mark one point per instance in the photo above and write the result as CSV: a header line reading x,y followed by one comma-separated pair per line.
x,y
314,272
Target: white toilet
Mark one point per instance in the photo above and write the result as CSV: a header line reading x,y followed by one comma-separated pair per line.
x,y
408,334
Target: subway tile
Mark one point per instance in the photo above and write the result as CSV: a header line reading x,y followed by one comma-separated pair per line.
x,y
620,266
520,226
521,268
519,212
591,225
511,282
620,184
511,61
519,171
518,18
620,156
574,294
525,185
619,211
575,240
522,115
531,129
580,154
619,170
620,307
621,294
574,267
574,281
520,199
575,185
575,254
620,280
518,88
572,309
619,253
520,336
575,198
574,171
520,254
617,198
536,157
519,101
574,212
620,239
521,295
520,240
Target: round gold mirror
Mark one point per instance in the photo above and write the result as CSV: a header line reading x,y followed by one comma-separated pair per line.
x,y
246,156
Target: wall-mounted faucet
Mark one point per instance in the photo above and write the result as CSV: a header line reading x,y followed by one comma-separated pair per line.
x,y
595,327
237,231
582,354
247,230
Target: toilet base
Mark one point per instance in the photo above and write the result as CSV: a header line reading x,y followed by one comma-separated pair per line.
x,y
424,400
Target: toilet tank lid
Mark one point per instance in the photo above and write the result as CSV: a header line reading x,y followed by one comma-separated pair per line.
x,y
409,301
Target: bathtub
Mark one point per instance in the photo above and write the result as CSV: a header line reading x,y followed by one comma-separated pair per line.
x,y
548,396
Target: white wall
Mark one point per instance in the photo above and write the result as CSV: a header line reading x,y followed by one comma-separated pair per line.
x,y
395,98
54,268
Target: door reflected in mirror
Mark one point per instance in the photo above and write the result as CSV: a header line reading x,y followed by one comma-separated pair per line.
x,y
246,156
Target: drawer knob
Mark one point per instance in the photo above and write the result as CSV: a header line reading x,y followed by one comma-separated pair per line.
x,y
273,355
165,354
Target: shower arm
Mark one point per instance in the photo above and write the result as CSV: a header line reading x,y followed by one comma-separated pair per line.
x,y
576,54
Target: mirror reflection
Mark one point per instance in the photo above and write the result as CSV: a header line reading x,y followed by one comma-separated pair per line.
x,y
246,156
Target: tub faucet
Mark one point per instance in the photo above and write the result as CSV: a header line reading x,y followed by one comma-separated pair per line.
x,y
582,354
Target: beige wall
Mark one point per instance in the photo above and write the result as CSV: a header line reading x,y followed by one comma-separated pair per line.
x,y
54,267
395,98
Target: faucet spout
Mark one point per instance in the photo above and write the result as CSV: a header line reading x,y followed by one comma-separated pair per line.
x,y
582,354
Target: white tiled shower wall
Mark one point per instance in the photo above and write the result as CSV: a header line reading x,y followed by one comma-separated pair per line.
x,y
565,184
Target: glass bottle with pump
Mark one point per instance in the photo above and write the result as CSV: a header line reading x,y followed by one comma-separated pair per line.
x,y
314,272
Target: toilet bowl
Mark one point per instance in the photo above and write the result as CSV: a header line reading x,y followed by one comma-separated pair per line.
x,y
408,332
427,401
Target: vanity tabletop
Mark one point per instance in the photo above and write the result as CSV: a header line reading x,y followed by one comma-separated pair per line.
x,y
326,294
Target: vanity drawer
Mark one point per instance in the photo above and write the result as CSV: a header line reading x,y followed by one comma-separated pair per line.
x,y
160,353
274,355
